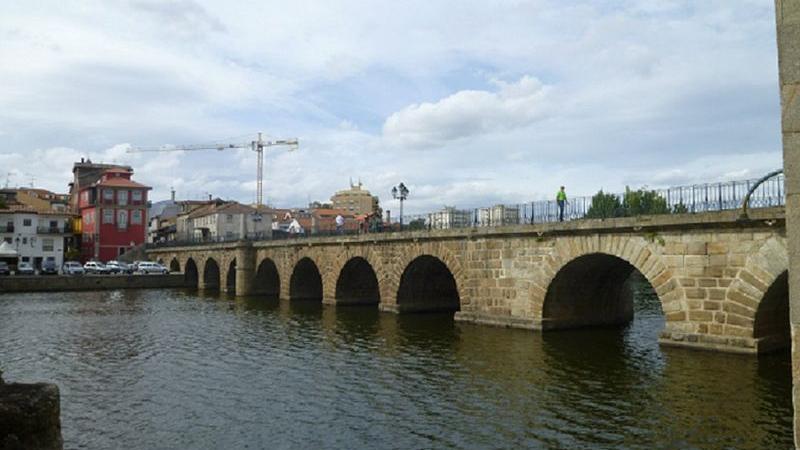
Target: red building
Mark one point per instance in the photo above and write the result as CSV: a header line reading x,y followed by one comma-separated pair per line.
x,y
113,213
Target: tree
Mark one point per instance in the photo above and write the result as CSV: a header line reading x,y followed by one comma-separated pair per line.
x,y
641,202
604,205
416,224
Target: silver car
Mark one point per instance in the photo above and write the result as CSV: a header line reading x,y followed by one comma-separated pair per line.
x,y
72,268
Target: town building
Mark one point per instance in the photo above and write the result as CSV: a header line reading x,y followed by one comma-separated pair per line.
x,y
112,209
498,215
35,235
356,200
450,217
163,217
221,220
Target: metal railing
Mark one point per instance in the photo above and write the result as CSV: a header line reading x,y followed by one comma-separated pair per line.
x,y
691,199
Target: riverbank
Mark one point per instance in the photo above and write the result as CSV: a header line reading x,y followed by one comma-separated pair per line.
x,y
51,283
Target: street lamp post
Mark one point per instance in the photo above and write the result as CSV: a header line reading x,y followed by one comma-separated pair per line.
x,y
400,192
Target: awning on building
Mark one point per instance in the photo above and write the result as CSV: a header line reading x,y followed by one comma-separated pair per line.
x,y
7,251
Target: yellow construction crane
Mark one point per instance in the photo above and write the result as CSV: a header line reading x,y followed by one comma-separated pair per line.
x,y
256,145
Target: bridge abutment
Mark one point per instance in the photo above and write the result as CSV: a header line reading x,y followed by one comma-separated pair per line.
x,y
787,13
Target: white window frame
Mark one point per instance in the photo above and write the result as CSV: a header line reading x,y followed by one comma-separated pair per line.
x,y
108,195
136,217
136,196
48,245
108,216
122,197
122,219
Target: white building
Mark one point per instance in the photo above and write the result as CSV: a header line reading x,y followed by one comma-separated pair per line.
x,y
223,221
498,215
450,217
36,236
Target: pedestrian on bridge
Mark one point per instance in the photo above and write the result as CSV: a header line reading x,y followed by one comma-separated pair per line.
x,y
561,199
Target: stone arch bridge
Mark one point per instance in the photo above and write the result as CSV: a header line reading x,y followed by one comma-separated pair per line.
x,y
721,282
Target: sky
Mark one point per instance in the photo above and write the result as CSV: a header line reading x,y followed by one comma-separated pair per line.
x,y
468,102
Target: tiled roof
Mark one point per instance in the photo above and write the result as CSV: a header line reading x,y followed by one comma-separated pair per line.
x,y
121,182
220,208
26,209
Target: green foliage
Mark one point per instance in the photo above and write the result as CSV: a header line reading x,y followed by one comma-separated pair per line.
x,y
634,203
2,203
604,205
416,224
680,208
641,202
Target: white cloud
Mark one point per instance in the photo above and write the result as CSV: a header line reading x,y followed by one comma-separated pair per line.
x,y
597,94
469,112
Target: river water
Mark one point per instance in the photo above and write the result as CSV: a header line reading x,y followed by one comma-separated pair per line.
x,y
174,369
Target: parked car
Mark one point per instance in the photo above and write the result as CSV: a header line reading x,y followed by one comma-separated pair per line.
x,y
4,270
49,267
151,267
135,265
95,267
115,267
118,267
25,268
72,268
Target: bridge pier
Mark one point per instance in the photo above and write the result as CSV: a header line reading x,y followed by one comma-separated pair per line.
x,y
787,13
245,270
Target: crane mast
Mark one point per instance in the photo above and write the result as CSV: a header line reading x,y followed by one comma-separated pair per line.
x,y
257,146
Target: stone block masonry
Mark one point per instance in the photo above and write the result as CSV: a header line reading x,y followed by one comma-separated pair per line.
x,y
711,272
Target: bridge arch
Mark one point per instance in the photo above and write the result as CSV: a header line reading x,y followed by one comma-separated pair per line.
x,y
174,265
267,280
357,283
306,281
230,277
757,300
584,282
211,275
426,285
190,276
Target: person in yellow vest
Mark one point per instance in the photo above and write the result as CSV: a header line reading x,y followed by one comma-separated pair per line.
x,y
561,199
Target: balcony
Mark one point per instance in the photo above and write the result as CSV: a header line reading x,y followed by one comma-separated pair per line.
x,y
6,228
54,230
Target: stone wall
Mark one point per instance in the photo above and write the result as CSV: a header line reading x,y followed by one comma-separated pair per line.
x,y
51,283
787,13
710,272
30,416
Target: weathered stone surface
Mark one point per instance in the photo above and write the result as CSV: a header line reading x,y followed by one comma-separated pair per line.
x,y
30,417
703,267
